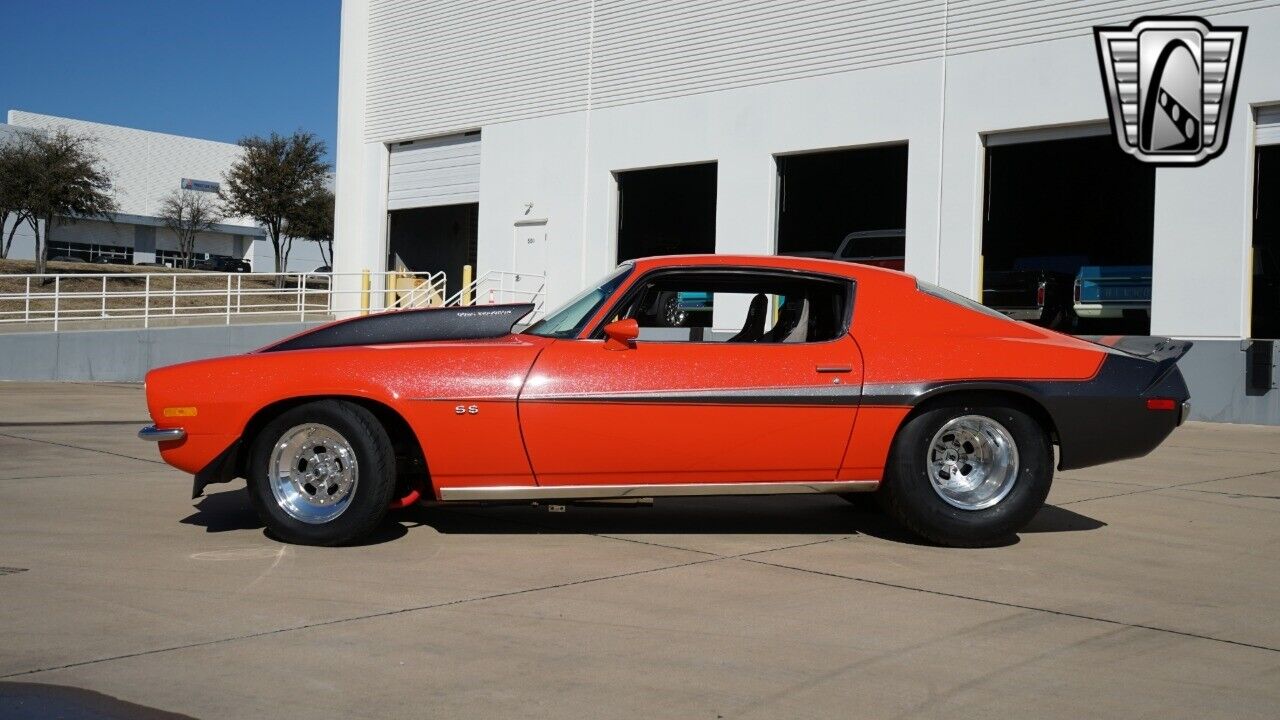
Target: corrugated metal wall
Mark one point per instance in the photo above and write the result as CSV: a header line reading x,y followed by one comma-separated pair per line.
x,y
449,65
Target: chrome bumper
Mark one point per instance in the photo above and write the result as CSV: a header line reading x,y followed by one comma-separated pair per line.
x,y
1186,411
151,433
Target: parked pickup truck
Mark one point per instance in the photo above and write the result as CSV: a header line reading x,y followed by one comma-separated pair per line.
x,y
1037,290
881,248
1112,291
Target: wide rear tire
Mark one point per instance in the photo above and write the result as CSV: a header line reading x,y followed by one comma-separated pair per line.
x,y
322,473
968,473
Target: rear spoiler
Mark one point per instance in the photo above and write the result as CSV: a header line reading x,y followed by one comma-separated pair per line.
x,y
1162,351
1153,348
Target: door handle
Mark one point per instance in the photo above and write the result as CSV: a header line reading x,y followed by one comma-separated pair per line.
x,y
834,368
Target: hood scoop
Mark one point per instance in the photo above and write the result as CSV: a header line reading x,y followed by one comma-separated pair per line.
x,y
475,322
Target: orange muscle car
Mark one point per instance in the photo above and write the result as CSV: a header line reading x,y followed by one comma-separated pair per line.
x,y
829,377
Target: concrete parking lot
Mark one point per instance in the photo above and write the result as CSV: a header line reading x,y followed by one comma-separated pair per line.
x,y
1147,588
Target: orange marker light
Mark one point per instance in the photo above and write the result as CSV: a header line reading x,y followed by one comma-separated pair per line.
x,y
188,411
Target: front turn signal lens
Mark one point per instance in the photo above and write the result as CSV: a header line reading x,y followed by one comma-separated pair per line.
x,y
1161,404
188,411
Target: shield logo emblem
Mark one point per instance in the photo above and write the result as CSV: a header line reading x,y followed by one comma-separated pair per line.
x,y
1170,85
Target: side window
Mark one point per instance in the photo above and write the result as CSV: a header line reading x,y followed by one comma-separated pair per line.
x,y
737,307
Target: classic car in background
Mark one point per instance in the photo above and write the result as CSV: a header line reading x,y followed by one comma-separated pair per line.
x,y
866,381
1037,290
1112,291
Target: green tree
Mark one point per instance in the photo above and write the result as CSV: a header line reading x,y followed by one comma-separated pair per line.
x,y
188,213
314,222
67,183
17,171
272,181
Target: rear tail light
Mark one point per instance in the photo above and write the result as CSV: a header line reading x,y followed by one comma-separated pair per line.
x,y
1040,294
1162,404
1075,292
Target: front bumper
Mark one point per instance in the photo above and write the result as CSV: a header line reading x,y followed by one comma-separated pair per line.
x,y
151,433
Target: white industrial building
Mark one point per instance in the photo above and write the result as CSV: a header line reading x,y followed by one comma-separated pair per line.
x,y
555,139
145,167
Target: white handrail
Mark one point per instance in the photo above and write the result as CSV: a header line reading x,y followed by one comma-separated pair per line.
x,y
77,300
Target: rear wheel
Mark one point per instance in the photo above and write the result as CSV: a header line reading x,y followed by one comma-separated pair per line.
x,y
968,473
322,473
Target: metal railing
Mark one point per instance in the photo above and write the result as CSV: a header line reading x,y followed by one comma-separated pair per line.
x,y
502,286
415,290
185,298
127,299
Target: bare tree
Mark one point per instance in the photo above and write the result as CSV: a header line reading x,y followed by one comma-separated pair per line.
x,y
67,183
17,171
314,222
273,180
188,213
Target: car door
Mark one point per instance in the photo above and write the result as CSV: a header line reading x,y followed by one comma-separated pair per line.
x,y
663,412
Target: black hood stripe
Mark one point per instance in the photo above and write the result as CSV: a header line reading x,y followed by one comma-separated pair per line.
x,y
474,322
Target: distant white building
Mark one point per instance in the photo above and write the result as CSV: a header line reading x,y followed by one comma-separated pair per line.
x,y
146,166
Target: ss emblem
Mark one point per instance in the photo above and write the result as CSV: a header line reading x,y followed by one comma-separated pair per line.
x,y
466,409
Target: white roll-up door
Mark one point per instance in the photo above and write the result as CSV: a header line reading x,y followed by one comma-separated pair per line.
x,y
439,171
1268,132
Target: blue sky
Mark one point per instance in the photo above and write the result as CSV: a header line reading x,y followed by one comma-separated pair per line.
x,y
218,69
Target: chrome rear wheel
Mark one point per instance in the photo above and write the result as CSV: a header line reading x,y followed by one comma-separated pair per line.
x,y
973,462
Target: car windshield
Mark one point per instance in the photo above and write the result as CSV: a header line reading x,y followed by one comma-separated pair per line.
x,y
569,319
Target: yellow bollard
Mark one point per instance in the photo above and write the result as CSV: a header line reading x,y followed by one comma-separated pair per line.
x,y
466,284
364,291
392,279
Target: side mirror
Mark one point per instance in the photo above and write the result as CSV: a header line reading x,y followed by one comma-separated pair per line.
x,y
621,334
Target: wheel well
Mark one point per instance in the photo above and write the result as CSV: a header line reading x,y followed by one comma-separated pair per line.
x,y
409,455
1006,397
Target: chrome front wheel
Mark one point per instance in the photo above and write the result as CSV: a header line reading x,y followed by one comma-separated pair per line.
x,y
313,473
972,462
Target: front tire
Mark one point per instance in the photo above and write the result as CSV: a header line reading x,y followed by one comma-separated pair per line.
x,y
322,473
968,473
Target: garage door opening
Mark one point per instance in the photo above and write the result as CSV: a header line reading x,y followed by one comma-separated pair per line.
x,y
667,211
1265,316
434,239
670,211
846,204
1067,235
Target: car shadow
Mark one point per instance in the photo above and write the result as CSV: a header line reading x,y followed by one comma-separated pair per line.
x,y
231,510
723,515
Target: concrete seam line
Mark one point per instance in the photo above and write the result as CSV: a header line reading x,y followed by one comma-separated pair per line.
x,y
1015,606
77,447
1169,487
403,611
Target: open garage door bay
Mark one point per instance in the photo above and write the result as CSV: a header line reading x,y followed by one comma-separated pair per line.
x,y
1067,232
433,202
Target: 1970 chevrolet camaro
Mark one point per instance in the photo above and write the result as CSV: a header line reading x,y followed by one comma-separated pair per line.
x,y
835,378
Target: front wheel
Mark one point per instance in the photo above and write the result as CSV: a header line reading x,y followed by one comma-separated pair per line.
x,y
322,473
968,474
